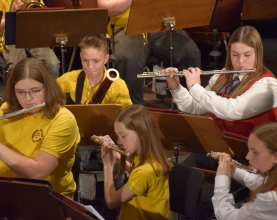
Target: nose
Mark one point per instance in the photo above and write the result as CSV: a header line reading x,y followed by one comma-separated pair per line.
x,y
28,96
247,157
90,64
118,141
241,58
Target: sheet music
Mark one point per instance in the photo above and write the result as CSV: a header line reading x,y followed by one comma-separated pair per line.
x,y
92,210
88,186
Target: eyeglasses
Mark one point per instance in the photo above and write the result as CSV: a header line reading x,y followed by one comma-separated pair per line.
x,y
32,93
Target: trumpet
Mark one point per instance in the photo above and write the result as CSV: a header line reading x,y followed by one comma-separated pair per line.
x,y
21,111
179,73
112,74
114,146
34,4
236,163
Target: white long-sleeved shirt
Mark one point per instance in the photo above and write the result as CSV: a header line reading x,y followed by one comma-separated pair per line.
x,y
259,98
263,207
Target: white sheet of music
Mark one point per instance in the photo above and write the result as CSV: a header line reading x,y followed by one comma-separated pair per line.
x,y
87,186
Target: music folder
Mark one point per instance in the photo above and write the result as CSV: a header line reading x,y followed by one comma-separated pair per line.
x,y
29,199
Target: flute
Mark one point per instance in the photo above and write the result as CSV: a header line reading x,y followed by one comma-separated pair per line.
x,y
179,73
21,111
114,146
236,163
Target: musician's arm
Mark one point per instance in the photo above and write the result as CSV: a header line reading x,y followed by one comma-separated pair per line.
x,y
250,180
182,97
115,7
38,168
57,145
185,102
244,106
114,198
224,204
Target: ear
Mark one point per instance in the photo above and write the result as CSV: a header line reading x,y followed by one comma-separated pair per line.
x,y
107,58
275,157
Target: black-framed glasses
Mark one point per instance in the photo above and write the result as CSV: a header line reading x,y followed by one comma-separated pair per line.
x,y
34,93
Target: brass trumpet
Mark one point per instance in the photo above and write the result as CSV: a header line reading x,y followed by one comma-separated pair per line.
x,y
114,146
179,73
236,163
34,4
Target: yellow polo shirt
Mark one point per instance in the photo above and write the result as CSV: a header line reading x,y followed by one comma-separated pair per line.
x,y
29,134
118,92
120,21
151,201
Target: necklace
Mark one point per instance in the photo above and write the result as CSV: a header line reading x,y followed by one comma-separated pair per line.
x,y
86,96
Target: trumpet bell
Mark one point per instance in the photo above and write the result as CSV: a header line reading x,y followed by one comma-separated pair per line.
x,y
112,74
34,4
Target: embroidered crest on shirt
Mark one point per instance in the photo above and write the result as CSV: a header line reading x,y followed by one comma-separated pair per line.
x,y
37,135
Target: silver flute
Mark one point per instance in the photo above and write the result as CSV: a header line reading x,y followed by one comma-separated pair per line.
x,y
236,163
21,111
116,148
179,73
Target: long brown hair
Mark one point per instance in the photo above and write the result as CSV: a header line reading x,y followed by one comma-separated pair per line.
x,y
138,118
267,133
251,37
35,69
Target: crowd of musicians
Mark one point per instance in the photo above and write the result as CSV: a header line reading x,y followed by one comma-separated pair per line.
x,y
41,143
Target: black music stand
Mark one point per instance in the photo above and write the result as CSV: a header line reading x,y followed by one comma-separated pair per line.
x,y
162,15
57,28
148,16
34,199
26,200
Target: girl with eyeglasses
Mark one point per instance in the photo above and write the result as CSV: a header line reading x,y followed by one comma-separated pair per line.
x,y
39,144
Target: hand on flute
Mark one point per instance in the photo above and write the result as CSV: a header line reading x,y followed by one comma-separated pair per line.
x,y
192,76
173,81
108,155
225,165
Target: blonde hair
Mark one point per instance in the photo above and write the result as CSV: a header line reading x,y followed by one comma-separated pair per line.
x,y
250,36
267,133
97,41
138,118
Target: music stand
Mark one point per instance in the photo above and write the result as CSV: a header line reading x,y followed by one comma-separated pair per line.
x,y
30,199
26,200
95,119
162,15
255,9
57,28
192,133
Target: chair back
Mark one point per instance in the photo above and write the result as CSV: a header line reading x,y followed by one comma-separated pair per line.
x,y
1,101
185,188
76,174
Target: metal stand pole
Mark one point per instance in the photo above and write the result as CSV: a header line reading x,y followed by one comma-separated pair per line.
x,y
170,22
